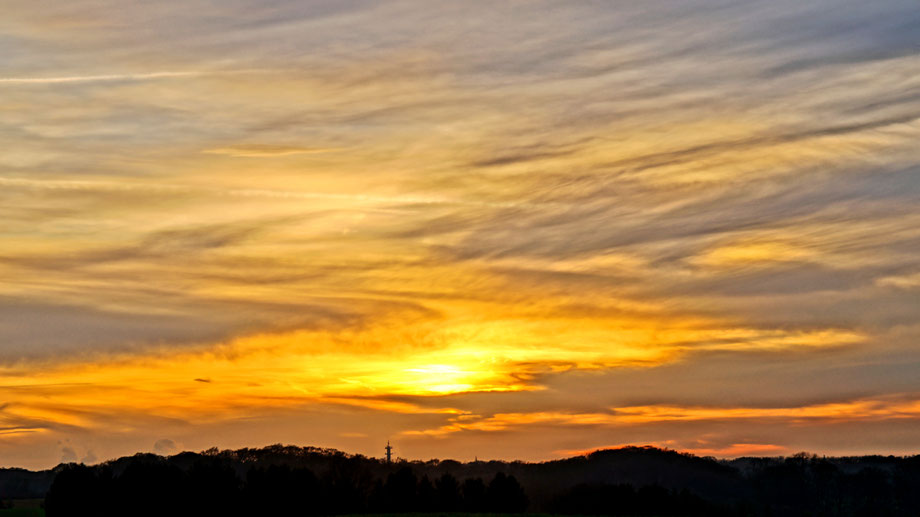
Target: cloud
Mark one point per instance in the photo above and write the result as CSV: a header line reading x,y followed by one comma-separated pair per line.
x,y
718,431
89,458
177,189
68,455
165,446
142,76
901,282
266,150
96,78
46,330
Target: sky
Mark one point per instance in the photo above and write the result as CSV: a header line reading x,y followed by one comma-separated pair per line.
x,y
496,230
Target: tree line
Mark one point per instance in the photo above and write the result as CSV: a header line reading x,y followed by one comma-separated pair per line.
x,y
213,487
631,481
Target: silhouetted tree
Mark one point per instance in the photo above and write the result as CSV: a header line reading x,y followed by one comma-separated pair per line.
x,y
505,495
905,483
872,493
152,488
448,493
400,491
474,495
346,487
77,491
215,488
279,489
426,496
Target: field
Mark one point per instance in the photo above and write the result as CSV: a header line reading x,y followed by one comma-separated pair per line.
x,y
22,508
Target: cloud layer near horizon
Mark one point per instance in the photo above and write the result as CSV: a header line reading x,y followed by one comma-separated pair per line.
x,y
513,230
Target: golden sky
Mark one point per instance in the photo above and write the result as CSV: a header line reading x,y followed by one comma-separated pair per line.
x,y
514,230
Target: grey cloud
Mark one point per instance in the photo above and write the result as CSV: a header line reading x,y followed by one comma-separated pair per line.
x,y
602,223
748,379
850,34
777,280
68,455
519,157
202,237
871,309
33,330
163,243
708,150
165,446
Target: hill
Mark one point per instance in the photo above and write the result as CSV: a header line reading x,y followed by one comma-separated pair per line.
x,y
625,481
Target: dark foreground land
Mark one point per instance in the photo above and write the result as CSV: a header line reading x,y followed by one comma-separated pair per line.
x,y
632,481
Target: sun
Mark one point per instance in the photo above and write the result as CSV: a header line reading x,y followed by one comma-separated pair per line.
x,y
439,378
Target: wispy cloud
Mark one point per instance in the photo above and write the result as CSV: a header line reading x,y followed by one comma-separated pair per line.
x,y
140,76
819,414
903,281
167,188
266,150
97,78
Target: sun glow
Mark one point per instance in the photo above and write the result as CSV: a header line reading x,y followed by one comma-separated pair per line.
x,y
304,368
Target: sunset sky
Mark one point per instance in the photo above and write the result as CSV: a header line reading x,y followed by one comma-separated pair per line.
x,y
510,230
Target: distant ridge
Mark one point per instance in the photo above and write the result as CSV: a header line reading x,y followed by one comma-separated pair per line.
x,y
586,484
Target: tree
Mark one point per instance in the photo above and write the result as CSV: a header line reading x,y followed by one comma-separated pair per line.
x,y
474,495
77,492
448,493
400,491
505,495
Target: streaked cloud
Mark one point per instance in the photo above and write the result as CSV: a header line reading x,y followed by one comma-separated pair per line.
x,y
902,282
265,150
95,78
857,410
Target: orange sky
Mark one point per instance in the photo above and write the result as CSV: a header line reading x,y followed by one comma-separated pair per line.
x,y
507,231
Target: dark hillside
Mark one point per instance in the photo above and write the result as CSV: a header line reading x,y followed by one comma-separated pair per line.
x,y
25,484
628,481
